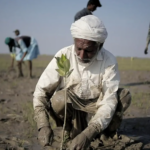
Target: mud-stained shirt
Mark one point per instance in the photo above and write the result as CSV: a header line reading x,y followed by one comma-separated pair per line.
x,y
97,80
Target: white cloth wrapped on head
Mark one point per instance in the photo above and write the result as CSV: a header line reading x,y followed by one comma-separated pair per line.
x,y
90,28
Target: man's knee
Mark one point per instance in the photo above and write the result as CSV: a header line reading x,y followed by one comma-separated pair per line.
x,y
124,100
58,102
124,96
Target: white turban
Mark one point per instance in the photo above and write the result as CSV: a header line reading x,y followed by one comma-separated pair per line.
x,y
90,28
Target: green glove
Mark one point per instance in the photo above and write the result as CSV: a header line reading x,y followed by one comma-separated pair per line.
x,y
83,140
45,136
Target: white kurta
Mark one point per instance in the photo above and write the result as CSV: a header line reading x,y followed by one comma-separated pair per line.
x,y
99,79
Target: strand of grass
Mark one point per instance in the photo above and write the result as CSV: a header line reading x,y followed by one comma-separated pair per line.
x,y
64,125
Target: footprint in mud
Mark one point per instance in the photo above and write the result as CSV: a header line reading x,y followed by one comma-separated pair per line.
x,y
2,100
13,143
4,119
11,117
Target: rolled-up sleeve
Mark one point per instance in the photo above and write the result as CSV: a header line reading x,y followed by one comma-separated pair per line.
x,y
106,105
45,87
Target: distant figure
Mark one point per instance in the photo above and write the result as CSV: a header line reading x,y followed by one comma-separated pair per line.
x,y
28,50
91,6
14,50
17,32
148,41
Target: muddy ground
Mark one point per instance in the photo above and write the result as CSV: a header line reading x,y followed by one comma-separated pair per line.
x,y
18,129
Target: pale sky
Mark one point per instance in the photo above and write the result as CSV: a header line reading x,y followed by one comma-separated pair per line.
x,y
49,21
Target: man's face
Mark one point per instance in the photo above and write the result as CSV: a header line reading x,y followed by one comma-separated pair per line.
x,y
93,7
16,33
85,50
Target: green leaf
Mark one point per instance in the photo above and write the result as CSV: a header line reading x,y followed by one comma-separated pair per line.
x,y
68,74
61,61
63,58
67,65
61,72
59,64
64,65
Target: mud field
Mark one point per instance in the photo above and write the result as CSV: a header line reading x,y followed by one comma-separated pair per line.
x,y
18,130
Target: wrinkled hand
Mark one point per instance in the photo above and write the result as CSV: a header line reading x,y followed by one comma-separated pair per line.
x,y
45,136
80,142
146,51
83,140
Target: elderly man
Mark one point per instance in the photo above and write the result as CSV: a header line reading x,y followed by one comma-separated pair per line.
x,y
91,7
92,89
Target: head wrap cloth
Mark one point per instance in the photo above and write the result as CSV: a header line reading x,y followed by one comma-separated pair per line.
x,y
8,40
90,28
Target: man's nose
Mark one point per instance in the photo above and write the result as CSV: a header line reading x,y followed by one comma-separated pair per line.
x,y
82,54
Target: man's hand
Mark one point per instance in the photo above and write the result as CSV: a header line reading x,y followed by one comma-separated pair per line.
x,y
80,142
146,51
45,136
83,140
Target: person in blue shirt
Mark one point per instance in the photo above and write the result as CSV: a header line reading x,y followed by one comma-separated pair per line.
x,y
91,6
29,50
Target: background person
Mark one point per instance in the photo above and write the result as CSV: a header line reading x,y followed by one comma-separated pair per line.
x,y
14,50
17,33
29,50
148,41
91,7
